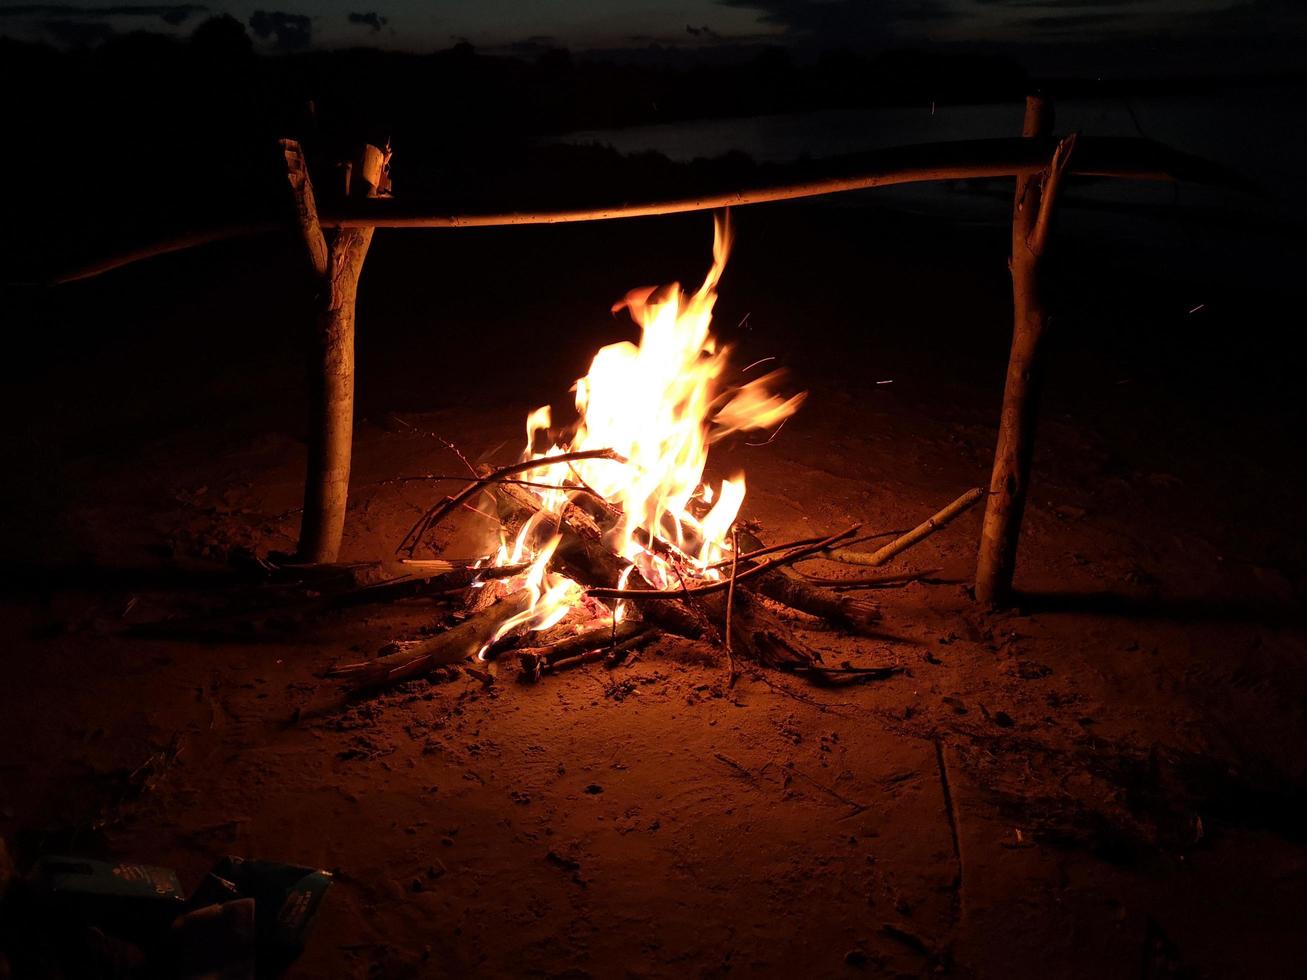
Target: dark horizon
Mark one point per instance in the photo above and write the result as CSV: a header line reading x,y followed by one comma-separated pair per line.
x,y
1160,38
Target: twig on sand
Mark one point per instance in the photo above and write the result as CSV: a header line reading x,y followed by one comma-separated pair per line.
x,y
822,706
951,813
917,534
847,674
736,768
854,804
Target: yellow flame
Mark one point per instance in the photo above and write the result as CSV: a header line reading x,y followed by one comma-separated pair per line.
x,y
659,404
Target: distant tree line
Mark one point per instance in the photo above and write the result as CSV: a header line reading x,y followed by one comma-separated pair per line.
x,y
144,130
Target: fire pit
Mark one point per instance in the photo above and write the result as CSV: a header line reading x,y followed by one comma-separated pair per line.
x,y
609,534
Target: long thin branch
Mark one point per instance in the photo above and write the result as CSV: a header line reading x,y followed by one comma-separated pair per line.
x,y
439,477
760,569
917,534
872,581
771,549
730,603
1128,158
438,513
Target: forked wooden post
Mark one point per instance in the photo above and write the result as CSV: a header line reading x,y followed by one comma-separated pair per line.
x,y
336,265
1032,212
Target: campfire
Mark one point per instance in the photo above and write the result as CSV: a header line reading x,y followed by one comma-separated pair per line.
x,y
609,533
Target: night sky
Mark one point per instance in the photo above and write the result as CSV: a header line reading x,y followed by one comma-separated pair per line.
x,y
1141,35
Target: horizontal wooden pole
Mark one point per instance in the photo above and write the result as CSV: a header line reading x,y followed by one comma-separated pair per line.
x,y
1107,157
1128,159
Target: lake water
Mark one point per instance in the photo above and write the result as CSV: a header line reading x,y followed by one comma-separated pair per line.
x,y
1255,130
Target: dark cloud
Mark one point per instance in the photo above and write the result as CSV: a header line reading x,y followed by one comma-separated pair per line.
x,y
844,23
371,19
171,14
290,32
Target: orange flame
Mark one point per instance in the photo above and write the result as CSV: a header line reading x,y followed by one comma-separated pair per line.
x,y
659,404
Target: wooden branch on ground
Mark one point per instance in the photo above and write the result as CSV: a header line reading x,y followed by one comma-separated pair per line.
x,y
611,655
846,674
915,536
786,586
590,647
535,660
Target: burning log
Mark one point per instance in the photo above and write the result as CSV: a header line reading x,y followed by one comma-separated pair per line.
x,y
582,556
415,658
756,632
587,647
761,568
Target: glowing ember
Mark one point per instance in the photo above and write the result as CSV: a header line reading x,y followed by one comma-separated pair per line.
x,y
659,404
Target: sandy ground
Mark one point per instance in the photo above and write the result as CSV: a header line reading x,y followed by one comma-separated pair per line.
x,y
1106,781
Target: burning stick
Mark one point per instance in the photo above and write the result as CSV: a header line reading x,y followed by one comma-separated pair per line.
x,y
419,657
699,590
917,534
439,512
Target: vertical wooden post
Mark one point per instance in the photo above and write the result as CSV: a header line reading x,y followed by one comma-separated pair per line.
x,y
336,265
1032,209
